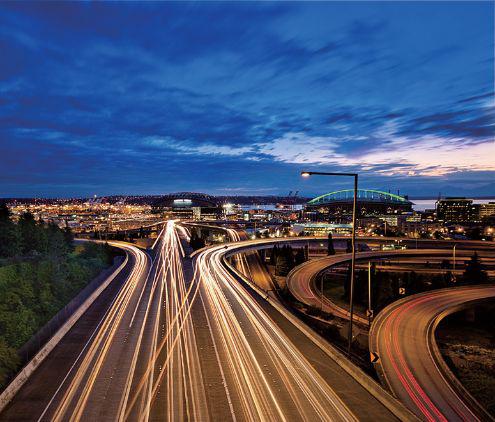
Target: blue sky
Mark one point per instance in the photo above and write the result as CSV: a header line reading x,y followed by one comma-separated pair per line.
x,y
238,98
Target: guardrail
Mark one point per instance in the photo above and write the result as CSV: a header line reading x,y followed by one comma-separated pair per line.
x,y
62,322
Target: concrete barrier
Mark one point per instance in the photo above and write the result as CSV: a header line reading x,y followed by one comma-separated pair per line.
x,y
444,368
21,378
390,402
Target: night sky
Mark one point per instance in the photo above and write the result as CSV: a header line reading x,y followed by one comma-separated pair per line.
x,y
238,98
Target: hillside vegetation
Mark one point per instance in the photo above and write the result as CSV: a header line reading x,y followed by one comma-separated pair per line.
x,y
40,272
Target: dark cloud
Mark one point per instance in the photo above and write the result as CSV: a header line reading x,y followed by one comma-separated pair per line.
x,y
120,96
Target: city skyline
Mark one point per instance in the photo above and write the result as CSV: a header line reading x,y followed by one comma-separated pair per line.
x,y
238,98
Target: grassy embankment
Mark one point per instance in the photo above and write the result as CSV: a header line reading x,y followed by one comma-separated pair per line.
x,y
40,272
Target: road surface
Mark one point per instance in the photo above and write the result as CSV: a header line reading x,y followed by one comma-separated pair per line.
x,y
271,370
180,339
403,336
301,281
131,356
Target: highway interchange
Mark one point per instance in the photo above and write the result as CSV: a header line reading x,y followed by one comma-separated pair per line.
x,y
403,335
190,338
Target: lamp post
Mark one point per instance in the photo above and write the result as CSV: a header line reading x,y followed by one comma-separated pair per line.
x,y
353,243
453,268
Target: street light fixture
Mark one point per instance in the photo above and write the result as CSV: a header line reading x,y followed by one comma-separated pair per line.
x,y
353,243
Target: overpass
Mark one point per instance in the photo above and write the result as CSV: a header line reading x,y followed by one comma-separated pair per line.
x,y
410,363
264,333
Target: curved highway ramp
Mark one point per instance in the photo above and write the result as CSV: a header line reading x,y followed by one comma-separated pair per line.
x,y
410,364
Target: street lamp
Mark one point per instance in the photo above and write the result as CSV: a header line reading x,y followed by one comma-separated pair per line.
x,y
353,243
453,269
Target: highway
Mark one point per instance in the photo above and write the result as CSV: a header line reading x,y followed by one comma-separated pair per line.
x,y
271,369
301,281
403,336
75,367
134,344
177,338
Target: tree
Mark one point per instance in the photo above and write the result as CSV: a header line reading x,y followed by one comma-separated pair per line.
x,y
330,247
9,361
32,290
300,257
282,265
475,272
10,242
69,238
56,243
196,242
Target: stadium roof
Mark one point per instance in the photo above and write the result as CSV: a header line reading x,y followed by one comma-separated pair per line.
x,y
187,199
364,195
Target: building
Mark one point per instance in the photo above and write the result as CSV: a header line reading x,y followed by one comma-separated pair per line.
x,y
189,206
321,229
457,210
487,210
338,205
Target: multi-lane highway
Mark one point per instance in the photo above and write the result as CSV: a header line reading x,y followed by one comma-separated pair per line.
x,y
405,340
132,355
403,336
180,339
271,369
79,371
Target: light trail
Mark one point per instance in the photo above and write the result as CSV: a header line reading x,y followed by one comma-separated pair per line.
x,y
76,394
145,360
143,347
403,336
173,361
253,361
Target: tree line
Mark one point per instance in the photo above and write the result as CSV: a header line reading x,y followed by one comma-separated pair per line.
x,y
285,258
386,286
40,272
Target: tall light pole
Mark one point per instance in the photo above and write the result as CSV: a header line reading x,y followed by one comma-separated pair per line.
x,y
453,269
353,243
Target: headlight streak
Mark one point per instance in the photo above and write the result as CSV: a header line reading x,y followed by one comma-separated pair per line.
x,y
170,299
85,376
178,345
265,375
259,401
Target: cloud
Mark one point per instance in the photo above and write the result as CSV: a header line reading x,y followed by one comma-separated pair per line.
x,y
395,155
189,148
152,96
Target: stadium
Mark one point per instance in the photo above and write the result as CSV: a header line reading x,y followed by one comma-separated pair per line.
x,y
369,203
189,205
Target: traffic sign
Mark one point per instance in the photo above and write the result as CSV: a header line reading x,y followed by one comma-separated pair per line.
x,y
369,313
374,357
402,290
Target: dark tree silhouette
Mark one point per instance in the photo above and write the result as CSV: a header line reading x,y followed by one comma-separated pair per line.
x,y
330,247
475,272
